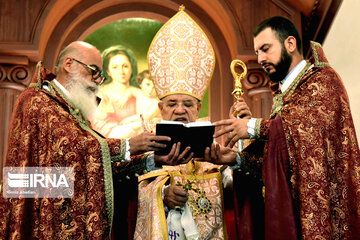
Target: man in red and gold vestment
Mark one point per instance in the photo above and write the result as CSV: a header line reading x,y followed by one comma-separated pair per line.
x,y
307,149
50,128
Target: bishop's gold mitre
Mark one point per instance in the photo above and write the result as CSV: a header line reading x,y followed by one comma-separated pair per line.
x,y
181,58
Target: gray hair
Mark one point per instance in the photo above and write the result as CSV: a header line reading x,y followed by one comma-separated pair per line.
x,y
69,50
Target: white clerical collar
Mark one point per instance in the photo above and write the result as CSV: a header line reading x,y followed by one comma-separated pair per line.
x,y
62,88
285,84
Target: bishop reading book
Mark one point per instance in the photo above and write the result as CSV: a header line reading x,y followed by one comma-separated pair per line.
x,y
197,135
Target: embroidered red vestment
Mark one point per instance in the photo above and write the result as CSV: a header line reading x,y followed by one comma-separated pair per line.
x,y
311,165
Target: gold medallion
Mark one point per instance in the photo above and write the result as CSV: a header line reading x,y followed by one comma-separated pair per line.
x,y
203,203
198,202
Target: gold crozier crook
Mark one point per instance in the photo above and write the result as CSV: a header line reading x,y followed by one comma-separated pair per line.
x,y
238,92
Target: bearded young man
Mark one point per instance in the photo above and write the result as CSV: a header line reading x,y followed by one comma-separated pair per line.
x,y
50,128
310,162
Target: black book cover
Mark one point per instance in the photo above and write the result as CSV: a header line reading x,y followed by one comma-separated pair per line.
x,y
197,135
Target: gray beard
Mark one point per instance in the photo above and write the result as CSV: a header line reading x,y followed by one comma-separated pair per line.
x,y
82,94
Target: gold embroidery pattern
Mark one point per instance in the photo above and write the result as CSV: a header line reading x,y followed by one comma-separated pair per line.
x,y
198,204
278,99
84,124
206,184
324,156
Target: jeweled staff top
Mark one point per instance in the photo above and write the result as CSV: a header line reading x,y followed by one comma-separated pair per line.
x,y
238,92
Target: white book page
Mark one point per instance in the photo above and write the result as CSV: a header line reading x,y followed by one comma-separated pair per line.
x,y
171,122
198,124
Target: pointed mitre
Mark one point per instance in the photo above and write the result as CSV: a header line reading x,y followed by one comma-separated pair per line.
x,y
181,58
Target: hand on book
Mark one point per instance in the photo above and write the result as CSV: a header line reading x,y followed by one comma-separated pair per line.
x,y
220,155
174,157
146,142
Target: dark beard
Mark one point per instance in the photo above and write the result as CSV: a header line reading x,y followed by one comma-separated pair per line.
x,y
282,68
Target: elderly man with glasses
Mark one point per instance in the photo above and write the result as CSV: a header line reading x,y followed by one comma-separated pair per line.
x,y
50,128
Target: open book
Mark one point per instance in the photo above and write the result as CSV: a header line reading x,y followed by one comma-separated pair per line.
x,y
197,135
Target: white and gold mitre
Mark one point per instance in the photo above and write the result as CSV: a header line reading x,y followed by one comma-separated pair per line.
x,y
181,58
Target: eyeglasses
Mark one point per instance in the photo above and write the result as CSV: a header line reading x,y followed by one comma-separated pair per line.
x,y
95,72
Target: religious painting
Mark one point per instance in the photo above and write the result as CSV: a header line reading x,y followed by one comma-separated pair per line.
x,y
128,101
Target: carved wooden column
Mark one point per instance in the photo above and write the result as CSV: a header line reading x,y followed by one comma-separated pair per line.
x,y
256,84
15,75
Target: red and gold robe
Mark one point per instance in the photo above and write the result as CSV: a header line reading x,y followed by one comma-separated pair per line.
x,y
311,160
46,130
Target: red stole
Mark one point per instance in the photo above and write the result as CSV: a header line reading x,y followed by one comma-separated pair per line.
x,y
279,209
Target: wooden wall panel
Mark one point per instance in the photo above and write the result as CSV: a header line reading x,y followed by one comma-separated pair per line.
x,y
258,92
19,18
7,95
249,13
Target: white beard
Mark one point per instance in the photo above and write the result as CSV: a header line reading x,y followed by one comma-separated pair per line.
x,y
82,94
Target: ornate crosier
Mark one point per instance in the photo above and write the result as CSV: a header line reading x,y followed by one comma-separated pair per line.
x,y
238,92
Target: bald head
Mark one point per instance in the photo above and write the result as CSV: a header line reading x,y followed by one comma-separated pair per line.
x,y
78,50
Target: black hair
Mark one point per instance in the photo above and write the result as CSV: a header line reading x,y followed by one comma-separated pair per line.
x,y
283,28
